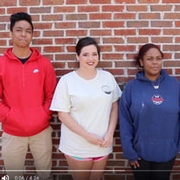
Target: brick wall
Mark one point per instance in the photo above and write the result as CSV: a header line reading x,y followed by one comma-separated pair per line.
x,y
120,27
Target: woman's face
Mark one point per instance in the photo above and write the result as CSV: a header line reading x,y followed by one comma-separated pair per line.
x,y
88,58
152,63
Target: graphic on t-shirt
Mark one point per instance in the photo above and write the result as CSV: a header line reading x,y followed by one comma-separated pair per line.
x,y
106,89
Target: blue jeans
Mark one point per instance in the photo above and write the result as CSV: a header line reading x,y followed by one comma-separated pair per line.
x,y
153,170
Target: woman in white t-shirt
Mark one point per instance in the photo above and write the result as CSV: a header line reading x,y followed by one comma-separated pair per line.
x,y
87,104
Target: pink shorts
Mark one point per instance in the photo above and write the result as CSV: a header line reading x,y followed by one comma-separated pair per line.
x,y
95,159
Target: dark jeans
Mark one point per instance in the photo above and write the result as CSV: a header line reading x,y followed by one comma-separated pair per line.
x,y
153,170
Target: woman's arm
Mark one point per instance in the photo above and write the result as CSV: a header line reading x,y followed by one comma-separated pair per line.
x,y
108,138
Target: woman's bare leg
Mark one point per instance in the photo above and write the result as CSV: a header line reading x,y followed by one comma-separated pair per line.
x,y
98,169
80,170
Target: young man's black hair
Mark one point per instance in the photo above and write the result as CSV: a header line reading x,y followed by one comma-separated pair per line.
x,y
19,17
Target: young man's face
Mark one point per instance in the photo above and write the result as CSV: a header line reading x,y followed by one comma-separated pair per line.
x,y
21,34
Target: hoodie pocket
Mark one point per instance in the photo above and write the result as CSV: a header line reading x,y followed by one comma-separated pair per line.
x,y
27,120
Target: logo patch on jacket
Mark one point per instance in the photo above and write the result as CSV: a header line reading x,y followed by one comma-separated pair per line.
x,y
157,99
35,70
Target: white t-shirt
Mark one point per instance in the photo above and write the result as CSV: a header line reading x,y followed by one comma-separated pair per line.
x,y
89,102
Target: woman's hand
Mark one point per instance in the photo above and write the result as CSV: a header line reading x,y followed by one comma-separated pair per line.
x,y
135,164
93,139
107,141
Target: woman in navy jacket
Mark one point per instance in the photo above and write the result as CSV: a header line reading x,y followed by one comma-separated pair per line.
x,y
149,118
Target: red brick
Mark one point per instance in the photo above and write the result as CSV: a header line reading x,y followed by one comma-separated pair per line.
x,y
149,1
77,32
29,3
124,16
87,24
100,1
170,1
100,16
135,8
112,8
88,8
6,3
53,2
127,1
40,10
113,24
149,16
76,2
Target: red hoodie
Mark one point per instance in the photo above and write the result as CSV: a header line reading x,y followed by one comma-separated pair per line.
x,y
26,92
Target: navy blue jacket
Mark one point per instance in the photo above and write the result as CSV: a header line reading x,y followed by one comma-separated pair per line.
x,y
149,118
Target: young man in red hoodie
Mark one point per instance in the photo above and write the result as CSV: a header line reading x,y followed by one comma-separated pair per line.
x,y
27,83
